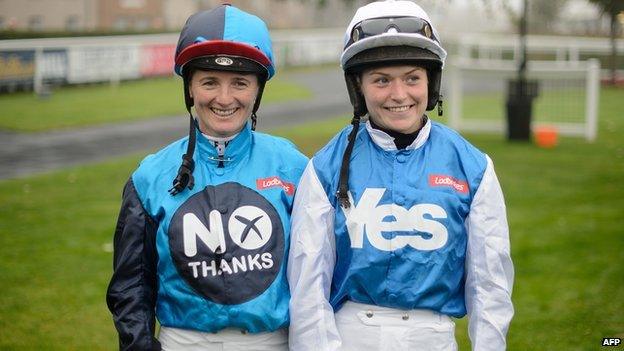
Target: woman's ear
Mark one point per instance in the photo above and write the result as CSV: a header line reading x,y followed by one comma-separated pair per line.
x,y
189,82
358,83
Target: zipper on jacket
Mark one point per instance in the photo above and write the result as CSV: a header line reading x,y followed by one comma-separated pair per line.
x,y
220,146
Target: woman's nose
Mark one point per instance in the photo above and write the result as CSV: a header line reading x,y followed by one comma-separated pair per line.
x,y
224,96
398,91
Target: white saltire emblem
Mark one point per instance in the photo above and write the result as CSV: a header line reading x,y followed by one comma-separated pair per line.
x,y
250,227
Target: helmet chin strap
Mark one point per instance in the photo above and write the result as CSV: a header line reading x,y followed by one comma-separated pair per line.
x,y
359,110
343,182
184,178
440,108
261,84
185,172
355,94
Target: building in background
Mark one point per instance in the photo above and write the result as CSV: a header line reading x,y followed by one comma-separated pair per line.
x,y
135,15
564,16
160,15
48,15
455,18
90,15
303,34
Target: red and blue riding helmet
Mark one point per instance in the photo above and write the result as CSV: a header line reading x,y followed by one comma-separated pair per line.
x,y
223,39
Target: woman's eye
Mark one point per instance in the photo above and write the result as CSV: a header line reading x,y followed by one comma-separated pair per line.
x,y
241,84
209,83
412,79
381,80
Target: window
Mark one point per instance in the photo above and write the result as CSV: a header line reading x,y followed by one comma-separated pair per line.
x,y
131,4
71,23
142,24
35,23
120,24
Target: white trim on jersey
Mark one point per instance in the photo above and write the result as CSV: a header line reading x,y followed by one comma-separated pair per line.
x,y
313,252
489,270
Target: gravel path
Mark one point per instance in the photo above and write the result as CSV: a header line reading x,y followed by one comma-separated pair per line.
x,y
26,154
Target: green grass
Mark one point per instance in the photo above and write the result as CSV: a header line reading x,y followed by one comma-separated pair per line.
x,y
556,105
103,103
565,207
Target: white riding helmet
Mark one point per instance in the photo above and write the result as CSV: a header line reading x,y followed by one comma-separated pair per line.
x,y
392,32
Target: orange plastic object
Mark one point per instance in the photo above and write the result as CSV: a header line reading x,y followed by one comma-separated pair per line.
x,y
546,136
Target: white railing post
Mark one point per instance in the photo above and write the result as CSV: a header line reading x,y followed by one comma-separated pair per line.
x,y
38,76
574,54
115,77
591,103
463,52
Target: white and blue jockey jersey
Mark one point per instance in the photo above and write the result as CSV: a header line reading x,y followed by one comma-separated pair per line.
x,y
222,246
426,230
402,242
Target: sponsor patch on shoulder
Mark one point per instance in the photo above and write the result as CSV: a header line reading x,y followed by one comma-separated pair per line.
x,y
275,181
460,186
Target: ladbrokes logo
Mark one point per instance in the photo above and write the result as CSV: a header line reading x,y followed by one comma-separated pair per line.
x,y
444,180
271,182
227,236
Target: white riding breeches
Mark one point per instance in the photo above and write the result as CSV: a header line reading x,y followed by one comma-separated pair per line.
x,y
375,328
229,339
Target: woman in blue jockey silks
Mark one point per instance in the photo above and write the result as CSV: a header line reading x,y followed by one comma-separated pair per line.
x,y
399,223
203,234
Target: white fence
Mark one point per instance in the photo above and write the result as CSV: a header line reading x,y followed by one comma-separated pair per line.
x,y
36,63
32,63
561,49
567,99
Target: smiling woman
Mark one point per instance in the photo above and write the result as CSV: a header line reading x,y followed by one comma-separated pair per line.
x,y
428,203
223,100
396,97
202,245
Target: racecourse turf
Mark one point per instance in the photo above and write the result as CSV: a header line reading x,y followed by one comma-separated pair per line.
x,y
565,208
79,106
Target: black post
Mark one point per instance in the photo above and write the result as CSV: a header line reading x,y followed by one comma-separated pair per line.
x,y
520,92
523,39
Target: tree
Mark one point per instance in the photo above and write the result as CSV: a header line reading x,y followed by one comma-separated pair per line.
x,y
612,8
544,14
